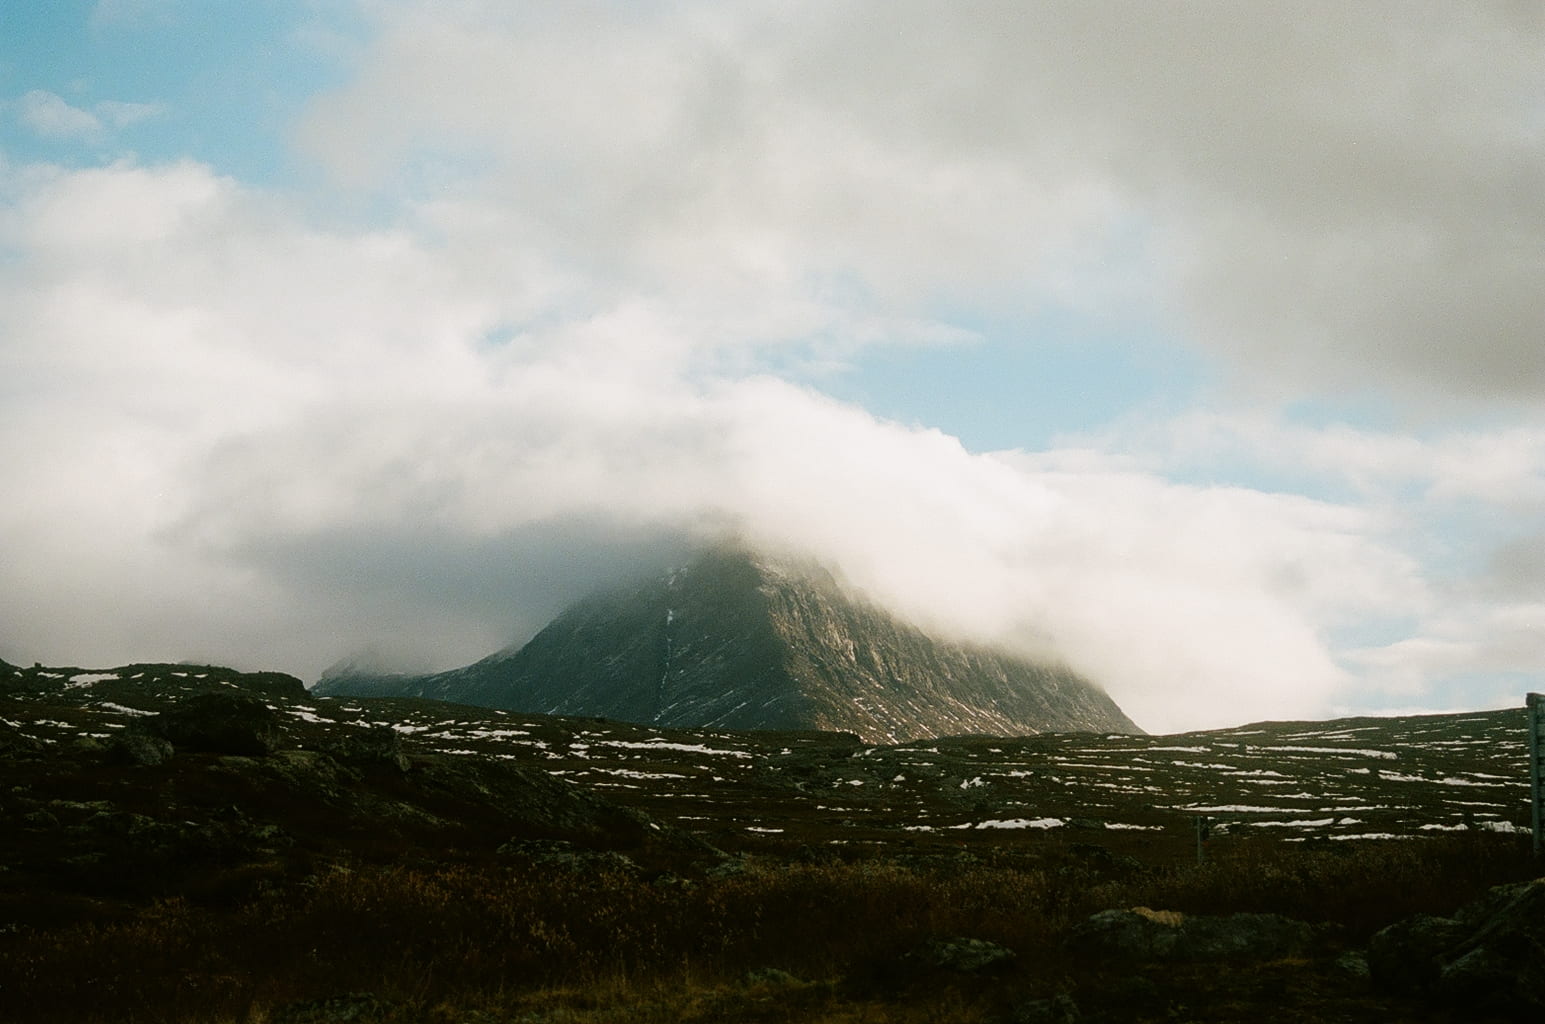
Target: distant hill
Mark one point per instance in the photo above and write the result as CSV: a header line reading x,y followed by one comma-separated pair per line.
x,y
739,641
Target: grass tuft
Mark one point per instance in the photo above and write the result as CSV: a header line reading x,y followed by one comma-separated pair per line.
x,y
777,941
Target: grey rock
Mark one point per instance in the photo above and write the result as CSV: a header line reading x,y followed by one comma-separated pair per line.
x,y
728,867
963,956
140,747
1408,954
1060,1009
1132,935
381,745
220,723
1489,958
1244,936
353,1008
565,856
89,747
1143,935
1354,965
15,743
672,882
769,977
1101,861
80,806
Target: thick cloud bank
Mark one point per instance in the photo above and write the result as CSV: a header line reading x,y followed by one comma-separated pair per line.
x,y
561,307
235,436
1346,194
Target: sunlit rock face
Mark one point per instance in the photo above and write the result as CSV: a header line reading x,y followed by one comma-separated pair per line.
x,y
739,641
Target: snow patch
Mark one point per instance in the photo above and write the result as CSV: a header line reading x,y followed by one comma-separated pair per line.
x,y
84,679
1388,755
689,748
1500,826
1238,809
631,774
125,710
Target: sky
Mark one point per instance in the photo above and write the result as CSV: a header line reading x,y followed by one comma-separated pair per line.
x,y
1198,345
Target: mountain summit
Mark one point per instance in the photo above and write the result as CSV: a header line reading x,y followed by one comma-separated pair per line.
x,y
738,641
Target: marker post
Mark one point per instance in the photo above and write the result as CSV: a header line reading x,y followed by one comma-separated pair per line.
x,y
1535,703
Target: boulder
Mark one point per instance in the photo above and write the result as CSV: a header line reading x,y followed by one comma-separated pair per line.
x,y
1140,935
220,723
963,956
85,747
769,977
565,856
273,685
1408,955
1059,1009
15,743
140,747
377,745
1090,858
353,1008
1489,958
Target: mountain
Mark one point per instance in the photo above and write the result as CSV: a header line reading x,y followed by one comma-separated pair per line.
x,y
744,642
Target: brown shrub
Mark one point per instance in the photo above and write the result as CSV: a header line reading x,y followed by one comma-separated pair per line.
x,y
463,935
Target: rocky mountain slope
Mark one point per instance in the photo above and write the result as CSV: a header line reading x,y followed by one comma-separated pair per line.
x,y
739,642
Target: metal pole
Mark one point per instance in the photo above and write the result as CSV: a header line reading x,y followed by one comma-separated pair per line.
x,y
1535,702
1203,832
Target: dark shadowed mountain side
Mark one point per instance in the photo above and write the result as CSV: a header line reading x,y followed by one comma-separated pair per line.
x,y
739,642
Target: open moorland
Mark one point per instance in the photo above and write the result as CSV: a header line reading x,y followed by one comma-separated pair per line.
x,y
183,843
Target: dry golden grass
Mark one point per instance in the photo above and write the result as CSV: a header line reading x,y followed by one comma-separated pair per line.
x,y
511,939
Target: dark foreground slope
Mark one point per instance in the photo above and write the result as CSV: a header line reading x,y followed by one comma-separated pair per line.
x,y
738,642
184,844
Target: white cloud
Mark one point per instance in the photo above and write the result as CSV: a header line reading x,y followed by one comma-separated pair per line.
x,y
1496,648
332,399
278,437
50,116
1322,194
121,114
682,154
1501,465
1465,502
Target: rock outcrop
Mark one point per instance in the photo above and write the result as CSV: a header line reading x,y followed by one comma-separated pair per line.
x,y
740,642
1141,935
220,723
1489,958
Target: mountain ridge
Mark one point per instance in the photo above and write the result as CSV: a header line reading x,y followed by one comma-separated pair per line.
x,y
745,641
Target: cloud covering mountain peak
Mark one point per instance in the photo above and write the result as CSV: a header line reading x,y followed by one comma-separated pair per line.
x,y
548,295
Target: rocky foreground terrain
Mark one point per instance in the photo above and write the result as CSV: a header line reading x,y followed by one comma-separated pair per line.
x,y
191,843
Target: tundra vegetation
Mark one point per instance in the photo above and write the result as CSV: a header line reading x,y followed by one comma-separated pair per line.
x,y
189,844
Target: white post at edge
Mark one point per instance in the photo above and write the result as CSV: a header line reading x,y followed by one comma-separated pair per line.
x,y
1535,702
